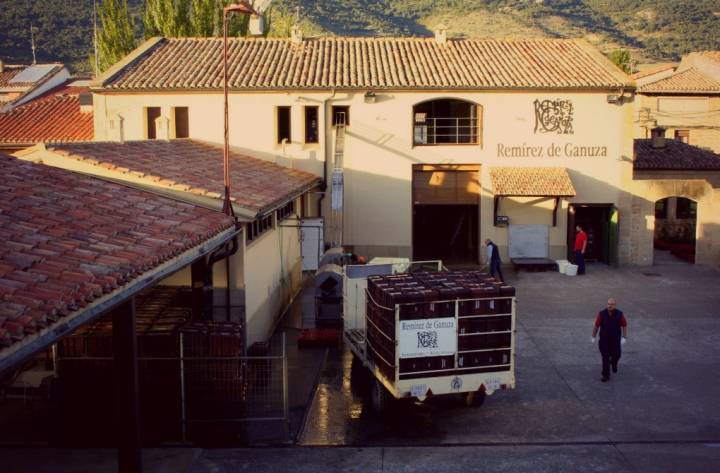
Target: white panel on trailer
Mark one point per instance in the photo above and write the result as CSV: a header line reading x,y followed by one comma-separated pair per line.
x,y
311,234
528,241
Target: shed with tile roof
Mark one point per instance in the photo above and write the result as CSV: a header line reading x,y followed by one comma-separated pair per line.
x,y
74,246
267,198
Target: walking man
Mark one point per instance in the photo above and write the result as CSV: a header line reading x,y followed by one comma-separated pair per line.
x,y
493,259
580,245
611,323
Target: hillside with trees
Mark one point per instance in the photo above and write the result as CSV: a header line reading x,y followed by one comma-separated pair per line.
x,y
649,30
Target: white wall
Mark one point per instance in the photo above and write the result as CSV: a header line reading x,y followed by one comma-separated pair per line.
x,y
272,278
379,153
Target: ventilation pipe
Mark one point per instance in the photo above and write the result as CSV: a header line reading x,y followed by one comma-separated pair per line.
x,y
441,34
115,129
296,35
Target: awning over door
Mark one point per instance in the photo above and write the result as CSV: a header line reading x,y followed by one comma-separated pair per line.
x,y
531,182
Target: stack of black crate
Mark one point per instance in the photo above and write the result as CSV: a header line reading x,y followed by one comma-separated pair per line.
x,y
484,307
211,371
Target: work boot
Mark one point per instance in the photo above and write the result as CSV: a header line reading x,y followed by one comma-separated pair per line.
x,y
605,379
614,367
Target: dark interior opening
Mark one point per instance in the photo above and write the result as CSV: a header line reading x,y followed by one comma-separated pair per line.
x,y
597,221
153,113
340,115
446,232
283,124
182,127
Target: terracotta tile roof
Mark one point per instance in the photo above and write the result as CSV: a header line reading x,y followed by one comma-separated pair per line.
x,y
531,182
377,63
656,69
196,167
688,81
8,73
55,116
676,155
67,239
714,55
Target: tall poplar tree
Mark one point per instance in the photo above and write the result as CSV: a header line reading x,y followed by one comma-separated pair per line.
x,y
166,18
115,37
204,17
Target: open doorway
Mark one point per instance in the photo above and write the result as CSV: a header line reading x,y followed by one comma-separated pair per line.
x,y
446,213
600,222
675,228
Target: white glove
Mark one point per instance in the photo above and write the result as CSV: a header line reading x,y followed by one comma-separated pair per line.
x,y
592,340
623,340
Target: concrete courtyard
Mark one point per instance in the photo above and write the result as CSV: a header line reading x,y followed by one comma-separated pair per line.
x,y
659,413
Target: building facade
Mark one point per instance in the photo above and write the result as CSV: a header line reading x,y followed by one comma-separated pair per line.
x,y
426,146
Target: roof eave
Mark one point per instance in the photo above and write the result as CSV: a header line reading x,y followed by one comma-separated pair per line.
x,y
603,88
118,67
292,196
21,350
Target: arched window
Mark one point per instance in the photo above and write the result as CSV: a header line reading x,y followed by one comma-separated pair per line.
x,y
446,121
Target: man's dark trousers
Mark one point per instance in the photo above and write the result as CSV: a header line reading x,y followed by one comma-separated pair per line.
x,y
495,268
610,335
580,261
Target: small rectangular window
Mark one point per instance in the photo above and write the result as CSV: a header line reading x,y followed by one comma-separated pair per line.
x,y
311,124
283,124
286,210
340,115
182,128
151,114
258,227
683,135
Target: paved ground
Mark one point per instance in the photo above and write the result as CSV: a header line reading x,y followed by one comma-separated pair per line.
x,y
659,413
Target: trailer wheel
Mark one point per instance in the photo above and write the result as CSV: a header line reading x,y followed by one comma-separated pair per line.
x,y
474,398
380,397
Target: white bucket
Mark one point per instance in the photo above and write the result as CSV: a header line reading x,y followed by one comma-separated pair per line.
x,y
562,265
571,269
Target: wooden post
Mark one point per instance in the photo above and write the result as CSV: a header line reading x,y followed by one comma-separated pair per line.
x,y
126,387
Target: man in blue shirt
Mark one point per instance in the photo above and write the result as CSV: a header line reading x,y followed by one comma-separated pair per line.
x,y
493,259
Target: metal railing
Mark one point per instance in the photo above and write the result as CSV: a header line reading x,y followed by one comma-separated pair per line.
x,y
445,130
196,398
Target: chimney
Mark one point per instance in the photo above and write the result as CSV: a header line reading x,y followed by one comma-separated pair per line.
x,y
162,128
256,25
296,35
86,102
2,66
115,129
657,137
441,34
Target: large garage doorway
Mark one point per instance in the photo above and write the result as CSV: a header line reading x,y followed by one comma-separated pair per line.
x,y
446,213
600,222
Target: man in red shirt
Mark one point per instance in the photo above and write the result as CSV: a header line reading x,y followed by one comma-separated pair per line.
x,y
580,245
611,323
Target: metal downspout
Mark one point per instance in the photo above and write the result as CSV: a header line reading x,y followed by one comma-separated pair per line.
x,y
323,185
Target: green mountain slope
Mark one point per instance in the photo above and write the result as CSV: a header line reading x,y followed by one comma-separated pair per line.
x,y
653,30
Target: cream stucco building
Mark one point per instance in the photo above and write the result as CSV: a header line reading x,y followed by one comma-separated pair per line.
x,y
426,147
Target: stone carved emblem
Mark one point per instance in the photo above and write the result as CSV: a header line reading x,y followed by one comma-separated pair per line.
x,y
554,116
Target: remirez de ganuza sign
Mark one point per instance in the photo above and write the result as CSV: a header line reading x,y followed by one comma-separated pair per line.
x,y
427,337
